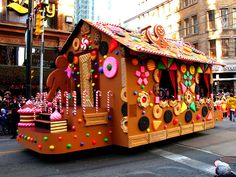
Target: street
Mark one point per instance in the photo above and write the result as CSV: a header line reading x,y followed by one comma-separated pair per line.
x,y
191,155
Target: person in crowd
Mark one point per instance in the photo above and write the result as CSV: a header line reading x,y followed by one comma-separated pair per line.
x,y
231,105
15,117
223,105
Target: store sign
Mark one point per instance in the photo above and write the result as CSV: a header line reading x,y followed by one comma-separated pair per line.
x,y
222,69
21,7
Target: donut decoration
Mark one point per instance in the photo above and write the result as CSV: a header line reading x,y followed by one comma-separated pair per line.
x,y
142,75
156,89
151,65
123,124
76,44
201,100
183,68
123,95
143,99
188,97
188,116
124,109
168,116
157,111
204,111
156,76
188,79
84,44
192,70
210,103
177,109
173,103
103,48
143,123
110,67
164,103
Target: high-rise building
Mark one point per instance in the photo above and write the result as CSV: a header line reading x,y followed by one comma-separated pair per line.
x,y
209,26
84,9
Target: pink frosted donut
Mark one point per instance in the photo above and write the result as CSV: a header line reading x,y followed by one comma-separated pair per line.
x,y
55,116
110,67
26,124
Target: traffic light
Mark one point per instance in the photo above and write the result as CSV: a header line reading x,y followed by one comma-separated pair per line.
x,y
39,24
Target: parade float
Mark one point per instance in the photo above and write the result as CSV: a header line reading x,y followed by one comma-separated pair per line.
x,y
115,86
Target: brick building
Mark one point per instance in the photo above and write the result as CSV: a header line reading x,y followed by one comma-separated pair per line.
x,y
210,26
13,16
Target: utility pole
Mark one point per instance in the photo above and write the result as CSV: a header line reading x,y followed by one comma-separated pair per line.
x,y
29,49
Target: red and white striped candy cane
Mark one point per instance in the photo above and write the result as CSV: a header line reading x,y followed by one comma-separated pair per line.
x,y
109,94
84,100
74,103
67,102
55,103
60,101
98,93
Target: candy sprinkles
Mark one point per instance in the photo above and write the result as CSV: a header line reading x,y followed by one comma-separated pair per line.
x,y
117,86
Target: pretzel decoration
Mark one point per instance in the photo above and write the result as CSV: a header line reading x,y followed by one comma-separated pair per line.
x,y
158,37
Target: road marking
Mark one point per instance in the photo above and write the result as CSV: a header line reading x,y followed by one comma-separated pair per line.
x,y
11,151
186,161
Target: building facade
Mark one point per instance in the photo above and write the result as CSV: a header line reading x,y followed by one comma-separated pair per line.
x,y
13,15
84,9
210,26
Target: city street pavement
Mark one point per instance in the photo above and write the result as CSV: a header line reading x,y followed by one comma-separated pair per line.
x,y
191,155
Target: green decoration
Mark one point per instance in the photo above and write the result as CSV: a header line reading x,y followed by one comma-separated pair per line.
x,y
68,146
142,86
170,62
187,79
193,107
45,138
87,134
199,69
25,137
106,140
160,65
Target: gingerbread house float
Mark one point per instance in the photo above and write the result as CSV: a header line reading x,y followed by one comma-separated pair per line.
x,y
122,87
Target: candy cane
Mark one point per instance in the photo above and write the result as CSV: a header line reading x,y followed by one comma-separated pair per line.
x,y
67,102
109,94
60,101
98,93
75,107
45,100
83,100
55,103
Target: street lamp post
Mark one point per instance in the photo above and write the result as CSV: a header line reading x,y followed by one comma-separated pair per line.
x,y
29,34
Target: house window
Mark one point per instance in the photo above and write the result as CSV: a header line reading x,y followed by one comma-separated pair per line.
x,y
212,44
234,18
211,19
224,18
204,84
186,22
195,24
168,84
225,47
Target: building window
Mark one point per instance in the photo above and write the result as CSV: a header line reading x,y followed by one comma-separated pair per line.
x,y
186,24
195,45
185,3
234,18
211,19
225,47
212,51
224,18
195,24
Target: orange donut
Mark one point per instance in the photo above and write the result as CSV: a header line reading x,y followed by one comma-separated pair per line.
x,y
192,70
183,68
177,109
151,65
76,44
157,111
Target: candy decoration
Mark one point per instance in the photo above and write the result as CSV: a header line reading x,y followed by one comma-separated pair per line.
x,y
76,60
192,107
67,102
60,100
68,71
177,109
199,116
175,121
183,68
84,42
192,88
51,147
192,70
151,65
183,88
143,123
210,117
157,111
98,93
156,124
113,45
134,61
142,76
123,122
143,99
168,116
109,94
74,102
110,67
68,146
123,94
84,100
183,107
188,116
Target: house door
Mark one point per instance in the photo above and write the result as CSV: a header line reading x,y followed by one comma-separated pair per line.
x,y
86,79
